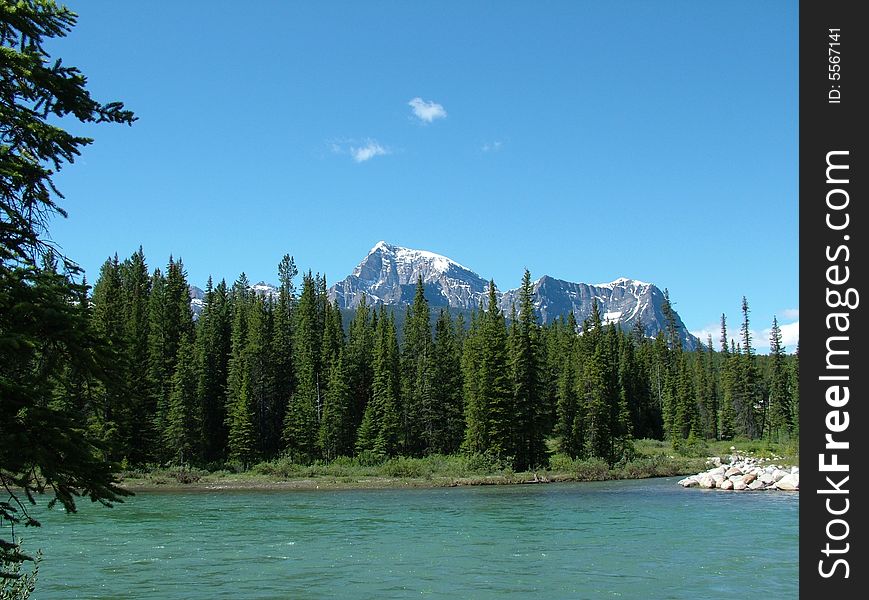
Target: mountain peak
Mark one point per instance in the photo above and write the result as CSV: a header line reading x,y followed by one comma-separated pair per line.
x,y
623,282
389,274
410,256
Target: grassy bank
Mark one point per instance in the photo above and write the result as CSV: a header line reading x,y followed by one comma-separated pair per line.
x,y
653,459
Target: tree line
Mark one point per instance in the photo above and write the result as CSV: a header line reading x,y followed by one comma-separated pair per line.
x,y
258,376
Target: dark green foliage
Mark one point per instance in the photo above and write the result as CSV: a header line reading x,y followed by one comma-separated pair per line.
x,y
258,368
488,384
50,355
747,401
359,362
183,418
304,410
447,410
136,285
381,426
241,444
170,320
336,434
282,339
529,391
213,347
418,413
780,419
110,418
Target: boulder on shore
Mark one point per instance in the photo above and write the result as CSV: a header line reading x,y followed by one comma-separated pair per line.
x,y
745,473
788,483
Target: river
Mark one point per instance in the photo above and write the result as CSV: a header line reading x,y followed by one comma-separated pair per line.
x,y
623,539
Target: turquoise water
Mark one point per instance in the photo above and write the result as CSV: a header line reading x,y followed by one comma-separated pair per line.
x,y
625,539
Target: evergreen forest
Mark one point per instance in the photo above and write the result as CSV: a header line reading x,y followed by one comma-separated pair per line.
x,y
260,376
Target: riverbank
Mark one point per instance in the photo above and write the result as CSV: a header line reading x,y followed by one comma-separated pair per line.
x,y
655,459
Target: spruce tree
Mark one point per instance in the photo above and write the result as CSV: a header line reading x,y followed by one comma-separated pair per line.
x,y
213,350
495,386
359,363
780,420
282,338
181,434
301,424
476,439
170,320
418,414
570,437
48,349
258,364
159,361
747,399
528,389
335,436
727,377
136,285
448,421
794,386
241,445
381,426
110,419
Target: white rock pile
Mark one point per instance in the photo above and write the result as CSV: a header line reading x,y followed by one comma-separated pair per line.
x,y
745,473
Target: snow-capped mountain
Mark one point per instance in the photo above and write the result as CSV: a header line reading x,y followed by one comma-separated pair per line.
x,y
625,301
389,273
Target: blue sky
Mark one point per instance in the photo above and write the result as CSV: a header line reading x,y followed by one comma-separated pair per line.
x,y
583,140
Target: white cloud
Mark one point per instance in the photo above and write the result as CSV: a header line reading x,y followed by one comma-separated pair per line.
x,y
790,333
492,146
427,111
791,314
360,151
368,151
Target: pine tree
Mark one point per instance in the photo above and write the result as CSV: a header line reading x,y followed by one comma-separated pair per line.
x,y
183,418
476,440
159,361
136,286
446,382
794,385
170,320
594,426
213,349
241,443
259,367
494,380
381,427
335,436
686,418
284,381
417,410
45,325
110,418
780,420
726,414
674,340
387,386
359,363
528,389
571,441
747,399
633,387
301,424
